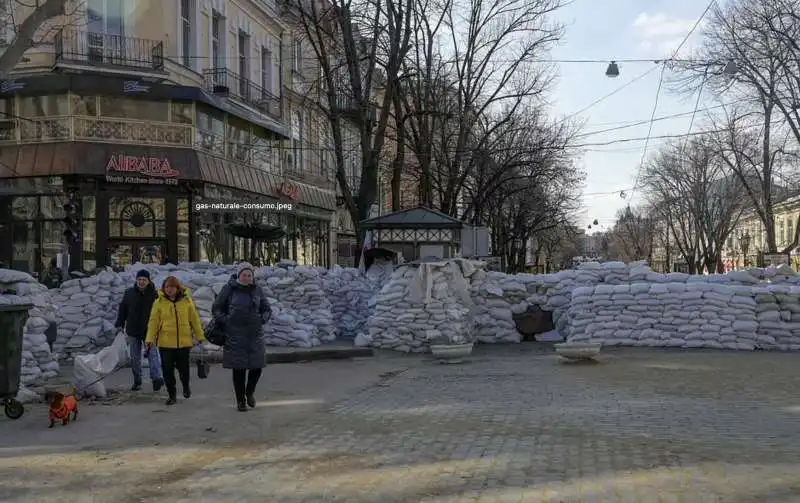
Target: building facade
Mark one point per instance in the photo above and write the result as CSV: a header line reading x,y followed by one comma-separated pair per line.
x,y
747,245
137,112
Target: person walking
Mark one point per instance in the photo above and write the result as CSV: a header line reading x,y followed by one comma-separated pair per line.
x,y
174,325
242,309
133,316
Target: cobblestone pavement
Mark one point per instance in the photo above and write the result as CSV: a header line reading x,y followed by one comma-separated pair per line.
x,y
512,425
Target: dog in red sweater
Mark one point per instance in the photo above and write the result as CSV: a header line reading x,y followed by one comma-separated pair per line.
x,y
61,406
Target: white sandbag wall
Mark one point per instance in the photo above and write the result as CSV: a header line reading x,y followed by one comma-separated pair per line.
x,y
422,305
38,363
86,309
352,294
688,315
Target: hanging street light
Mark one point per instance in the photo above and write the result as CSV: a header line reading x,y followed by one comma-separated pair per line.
x,y
613,70
730,68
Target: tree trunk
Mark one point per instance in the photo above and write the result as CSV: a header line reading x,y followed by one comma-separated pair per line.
x,y
23,41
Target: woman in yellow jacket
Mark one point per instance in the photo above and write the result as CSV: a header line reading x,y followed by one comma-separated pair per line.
x,y
174,324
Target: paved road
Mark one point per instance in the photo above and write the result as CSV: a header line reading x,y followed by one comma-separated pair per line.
x,y
513,425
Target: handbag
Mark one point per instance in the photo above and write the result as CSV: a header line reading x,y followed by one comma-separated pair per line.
x,y
203,367
215,332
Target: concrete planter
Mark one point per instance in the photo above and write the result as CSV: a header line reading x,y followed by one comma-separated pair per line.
x,y
451,351
578,351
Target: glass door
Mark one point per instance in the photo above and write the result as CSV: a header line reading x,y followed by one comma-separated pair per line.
x,y
106,31
127,252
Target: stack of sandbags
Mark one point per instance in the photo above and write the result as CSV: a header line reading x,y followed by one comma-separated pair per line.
x,y
423,304
300,291
86,309
350,292
686,315
38,362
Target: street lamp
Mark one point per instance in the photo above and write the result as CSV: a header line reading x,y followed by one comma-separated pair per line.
x,y
613,70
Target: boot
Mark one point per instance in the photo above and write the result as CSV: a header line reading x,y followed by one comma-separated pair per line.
x,y
241,406
157,385
136,386
171,400
251,401
187,391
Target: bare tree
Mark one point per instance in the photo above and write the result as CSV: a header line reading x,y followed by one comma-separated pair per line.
x,y
759,38
632,237
360,46
465,95
38,14
691,189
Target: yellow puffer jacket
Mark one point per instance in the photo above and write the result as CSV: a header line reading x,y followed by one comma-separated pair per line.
x,y
172,323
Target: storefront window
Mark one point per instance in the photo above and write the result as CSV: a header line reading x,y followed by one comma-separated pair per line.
x,y
266,151
129,108
88,206
182,113
52,240
137,217
183,241
53,206
24,246
183,210
44,106
24,208
84,105
89,245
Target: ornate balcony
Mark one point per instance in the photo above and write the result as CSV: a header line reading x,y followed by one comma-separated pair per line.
x,y
345,105
224,82
137,132
103,52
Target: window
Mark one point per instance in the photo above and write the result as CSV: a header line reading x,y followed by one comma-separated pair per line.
x,y
217,43
244,63
44,106
105,17
187,12
266,71
790,228
297,55
297,142
129,108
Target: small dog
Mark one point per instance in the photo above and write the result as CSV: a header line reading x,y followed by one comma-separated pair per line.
x,y
61,407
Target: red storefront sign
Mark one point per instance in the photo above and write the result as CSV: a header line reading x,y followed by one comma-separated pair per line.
x,y
148,166
290,191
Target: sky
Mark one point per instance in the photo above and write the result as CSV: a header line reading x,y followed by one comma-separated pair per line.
x,y
618,30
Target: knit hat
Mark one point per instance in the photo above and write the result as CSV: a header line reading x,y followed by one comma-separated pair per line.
x,y
143,274
244,266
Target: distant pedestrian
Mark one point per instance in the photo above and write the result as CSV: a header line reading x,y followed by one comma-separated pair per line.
x,y
52,277
242,309
133,316
173,328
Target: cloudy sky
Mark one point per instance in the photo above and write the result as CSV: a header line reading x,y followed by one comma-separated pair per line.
x,y
621,29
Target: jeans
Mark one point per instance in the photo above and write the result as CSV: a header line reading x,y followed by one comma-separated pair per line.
x,y
176,359
135,345
244,382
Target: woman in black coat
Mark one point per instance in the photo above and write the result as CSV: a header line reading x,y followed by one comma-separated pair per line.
x,y
242,309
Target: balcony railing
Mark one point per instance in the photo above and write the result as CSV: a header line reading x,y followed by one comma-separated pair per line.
x,y
136,132
347,106
110,51
222,81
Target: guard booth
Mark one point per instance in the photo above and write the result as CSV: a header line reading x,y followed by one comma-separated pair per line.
x,y
416,233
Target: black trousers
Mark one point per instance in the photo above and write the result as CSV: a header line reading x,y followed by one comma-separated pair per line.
x,y
175,359
244,382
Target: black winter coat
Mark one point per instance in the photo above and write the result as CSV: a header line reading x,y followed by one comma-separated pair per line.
x,y
243,310
134,310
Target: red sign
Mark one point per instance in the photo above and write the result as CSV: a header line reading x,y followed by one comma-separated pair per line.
x,y
290,191
149,166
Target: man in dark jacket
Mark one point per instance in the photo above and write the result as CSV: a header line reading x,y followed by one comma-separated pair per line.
x,y
134,314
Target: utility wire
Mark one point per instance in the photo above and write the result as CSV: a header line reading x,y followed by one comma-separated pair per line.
x,y
658,91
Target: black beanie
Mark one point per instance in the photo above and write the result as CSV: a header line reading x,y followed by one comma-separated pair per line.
x,y
143,274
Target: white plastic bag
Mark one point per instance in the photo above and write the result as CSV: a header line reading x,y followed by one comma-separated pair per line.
x,y
90,368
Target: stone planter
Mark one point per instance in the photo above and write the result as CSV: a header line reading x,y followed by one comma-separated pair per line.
x,y
578,351
451,352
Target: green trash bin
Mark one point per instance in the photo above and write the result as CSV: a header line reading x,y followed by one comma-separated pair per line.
x,y
12,324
